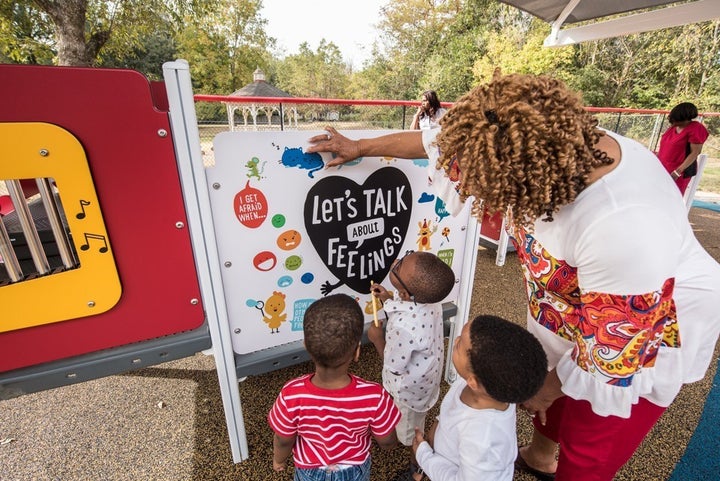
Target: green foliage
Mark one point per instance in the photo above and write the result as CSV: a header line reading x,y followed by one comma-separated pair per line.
x,y
321,74
518,48
444,45
225,46
26,34
153,50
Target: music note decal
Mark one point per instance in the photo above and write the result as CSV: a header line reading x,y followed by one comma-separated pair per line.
x,y
83,204
89,237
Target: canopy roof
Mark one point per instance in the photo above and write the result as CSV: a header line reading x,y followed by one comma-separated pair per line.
x,y
596,12
259,88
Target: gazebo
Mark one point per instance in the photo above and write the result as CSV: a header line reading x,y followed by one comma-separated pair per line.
x,y
260,88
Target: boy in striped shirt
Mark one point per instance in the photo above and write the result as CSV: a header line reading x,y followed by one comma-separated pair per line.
x,y
326,419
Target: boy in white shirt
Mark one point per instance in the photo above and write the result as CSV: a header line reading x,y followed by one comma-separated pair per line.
x,y
499,364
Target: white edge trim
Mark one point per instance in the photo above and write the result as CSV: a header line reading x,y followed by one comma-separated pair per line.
x,y
186,138
694,12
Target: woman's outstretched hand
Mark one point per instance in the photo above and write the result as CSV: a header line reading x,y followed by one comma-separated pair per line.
x,y
343,149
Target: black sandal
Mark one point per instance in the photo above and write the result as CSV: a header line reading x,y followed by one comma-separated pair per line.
x,y
407,475
522,466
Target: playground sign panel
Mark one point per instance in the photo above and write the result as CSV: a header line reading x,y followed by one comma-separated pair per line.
x,y
290,231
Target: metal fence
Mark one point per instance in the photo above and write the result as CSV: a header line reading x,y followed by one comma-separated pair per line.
x,y
217,113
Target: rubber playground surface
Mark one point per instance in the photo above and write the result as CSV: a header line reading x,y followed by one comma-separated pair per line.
x,y
167,422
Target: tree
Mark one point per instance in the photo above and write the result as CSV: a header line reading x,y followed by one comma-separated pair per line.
x,y
82,29
516,46
322,73
25,36
225,46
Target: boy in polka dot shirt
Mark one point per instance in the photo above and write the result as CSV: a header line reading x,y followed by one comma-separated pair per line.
x,y
411,345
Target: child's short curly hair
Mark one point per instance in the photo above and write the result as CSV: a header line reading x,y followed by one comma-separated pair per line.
x,y
522,142
433,278
333,326
506,359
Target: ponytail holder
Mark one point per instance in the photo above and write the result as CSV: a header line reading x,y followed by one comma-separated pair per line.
x,y
492,117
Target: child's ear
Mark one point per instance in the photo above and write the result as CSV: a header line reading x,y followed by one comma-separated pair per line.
x,y
356,358
474,384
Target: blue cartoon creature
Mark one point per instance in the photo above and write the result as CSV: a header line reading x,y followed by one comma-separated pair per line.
x,y
295,157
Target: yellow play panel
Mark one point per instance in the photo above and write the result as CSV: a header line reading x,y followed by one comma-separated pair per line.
x,y
41,150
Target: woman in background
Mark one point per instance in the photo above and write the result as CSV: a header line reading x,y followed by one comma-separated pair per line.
x,y
681,144
429,113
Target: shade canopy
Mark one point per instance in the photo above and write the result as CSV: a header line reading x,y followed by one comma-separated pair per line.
x,y
613,18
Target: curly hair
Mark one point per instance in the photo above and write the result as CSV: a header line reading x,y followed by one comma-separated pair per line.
x,y
433,279
333,326
506,359
525,145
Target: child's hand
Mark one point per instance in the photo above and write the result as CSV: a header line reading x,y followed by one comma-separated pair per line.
x,y
418,439
278,466
380,292
376,334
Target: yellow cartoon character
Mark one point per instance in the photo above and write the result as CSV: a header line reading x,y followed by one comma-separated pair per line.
x,y
274,313
426,230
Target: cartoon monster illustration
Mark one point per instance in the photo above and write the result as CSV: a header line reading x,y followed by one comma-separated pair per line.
x,y
274,312
369,307
254,168
295,157
427,229
289,240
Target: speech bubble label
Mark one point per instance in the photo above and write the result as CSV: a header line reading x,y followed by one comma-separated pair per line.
x,y
440,209
299,308
250,207
367,229
447,256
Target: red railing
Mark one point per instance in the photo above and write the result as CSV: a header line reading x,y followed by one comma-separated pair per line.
x,y
308,113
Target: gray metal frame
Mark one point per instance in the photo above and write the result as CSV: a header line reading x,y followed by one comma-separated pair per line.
x,y
103,363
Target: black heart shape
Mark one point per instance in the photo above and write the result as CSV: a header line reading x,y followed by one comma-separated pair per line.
x,y
358,230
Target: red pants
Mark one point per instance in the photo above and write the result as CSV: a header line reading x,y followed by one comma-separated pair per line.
x,y
593,447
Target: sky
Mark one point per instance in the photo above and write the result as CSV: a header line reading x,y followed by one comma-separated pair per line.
x,y
349,24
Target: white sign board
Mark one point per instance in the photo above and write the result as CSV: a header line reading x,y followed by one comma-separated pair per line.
x,y
290,231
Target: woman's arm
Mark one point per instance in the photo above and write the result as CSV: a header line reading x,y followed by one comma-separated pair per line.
x,y
416,119
404,145
695,150
549,392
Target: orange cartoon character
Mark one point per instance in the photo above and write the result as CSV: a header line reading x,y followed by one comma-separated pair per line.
x,y
274,312
426,230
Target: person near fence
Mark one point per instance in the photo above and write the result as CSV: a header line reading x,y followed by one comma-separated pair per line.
x,y
474,438
429,112
681,144
326,418
411,345
620,292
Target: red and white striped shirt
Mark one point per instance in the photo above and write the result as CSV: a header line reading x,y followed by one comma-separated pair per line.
x,y
333,426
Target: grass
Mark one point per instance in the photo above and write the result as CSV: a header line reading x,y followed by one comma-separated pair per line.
x,y
710,181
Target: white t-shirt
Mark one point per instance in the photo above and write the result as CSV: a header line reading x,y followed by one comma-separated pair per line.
x,y
621,294
445,187
470,444
413,356
427,122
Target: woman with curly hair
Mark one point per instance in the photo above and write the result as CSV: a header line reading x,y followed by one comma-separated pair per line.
x,y
621,294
